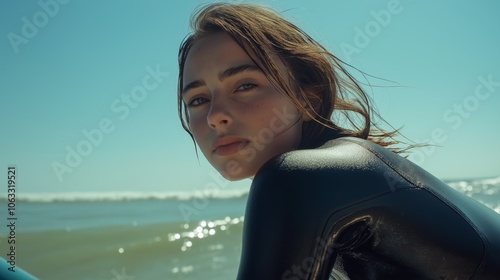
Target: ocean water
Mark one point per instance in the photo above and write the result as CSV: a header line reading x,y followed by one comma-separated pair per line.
x,y
126,236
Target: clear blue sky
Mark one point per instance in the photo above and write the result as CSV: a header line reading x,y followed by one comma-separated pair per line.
x,y
70,73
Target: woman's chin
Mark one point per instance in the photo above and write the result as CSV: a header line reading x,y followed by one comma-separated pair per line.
x,y
235,176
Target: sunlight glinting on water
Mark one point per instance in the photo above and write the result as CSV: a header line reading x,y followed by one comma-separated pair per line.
x,y
477,190
202,230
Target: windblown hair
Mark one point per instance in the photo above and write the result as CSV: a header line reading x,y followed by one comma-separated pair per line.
x,y
317,76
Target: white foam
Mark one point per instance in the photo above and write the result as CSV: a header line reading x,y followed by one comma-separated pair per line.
x,y
126,196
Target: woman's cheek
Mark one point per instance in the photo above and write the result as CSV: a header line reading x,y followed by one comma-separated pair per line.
x,y
195,126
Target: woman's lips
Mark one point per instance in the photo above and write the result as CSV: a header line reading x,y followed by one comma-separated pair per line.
x,y
230,149
226,145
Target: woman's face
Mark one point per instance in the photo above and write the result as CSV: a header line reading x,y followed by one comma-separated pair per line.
x,y
237,117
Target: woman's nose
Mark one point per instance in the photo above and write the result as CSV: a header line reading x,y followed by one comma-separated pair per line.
x,y
218,116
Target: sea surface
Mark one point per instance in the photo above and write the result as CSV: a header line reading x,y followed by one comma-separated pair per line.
x,y
134,236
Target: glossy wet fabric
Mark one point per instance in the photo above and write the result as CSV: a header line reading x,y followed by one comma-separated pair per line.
x,y
367,213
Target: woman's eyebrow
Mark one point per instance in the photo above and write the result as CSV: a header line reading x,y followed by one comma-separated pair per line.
x,y
224,75
238,69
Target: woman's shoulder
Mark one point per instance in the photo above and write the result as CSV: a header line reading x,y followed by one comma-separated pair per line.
x,y
347,169
344,156
348,157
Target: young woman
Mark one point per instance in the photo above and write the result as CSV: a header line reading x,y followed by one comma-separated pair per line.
x,y
263,100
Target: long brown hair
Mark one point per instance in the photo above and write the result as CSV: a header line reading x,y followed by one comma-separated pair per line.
x,y
318,76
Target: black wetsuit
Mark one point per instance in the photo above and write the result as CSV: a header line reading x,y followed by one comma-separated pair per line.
x,y
367,213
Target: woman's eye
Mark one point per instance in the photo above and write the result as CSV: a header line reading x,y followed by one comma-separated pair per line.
x,y
197,101
246,86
